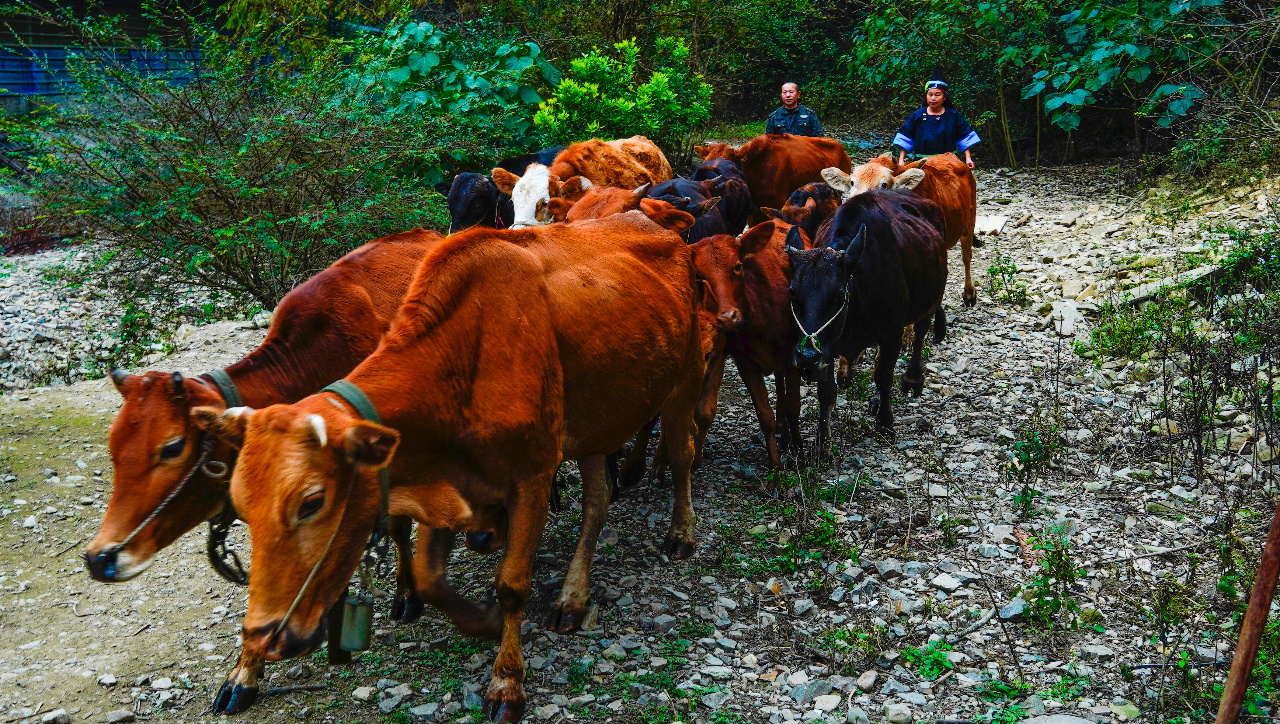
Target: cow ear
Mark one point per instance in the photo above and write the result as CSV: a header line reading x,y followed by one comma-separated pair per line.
x,y
837,179
559,208
796,239
755,239
573,189
368,443
771,213
702,152
504,180
853,245
444,187
671,218
122,380
886,154
704,206
908,179
226,425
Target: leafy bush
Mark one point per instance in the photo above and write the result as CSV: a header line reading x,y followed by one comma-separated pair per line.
x,y
247,172
604,97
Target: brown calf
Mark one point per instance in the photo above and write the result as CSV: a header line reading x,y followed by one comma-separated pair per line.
x,y
943,179
494,372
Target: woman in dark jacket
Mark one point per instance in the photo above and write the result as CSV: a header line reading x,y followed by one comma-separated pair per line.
x,y
936,127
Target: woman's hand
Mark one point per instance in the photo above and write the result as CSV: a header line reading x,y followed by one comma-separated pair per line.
x,y
968,160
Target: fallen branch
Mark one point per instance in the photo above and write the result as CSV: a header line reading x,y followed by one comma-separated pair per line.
x,y
64,550
75,612
1149,555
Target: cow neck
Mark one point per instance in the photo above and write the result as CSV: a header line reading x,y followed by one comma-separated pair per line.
x,y
274,374
360,402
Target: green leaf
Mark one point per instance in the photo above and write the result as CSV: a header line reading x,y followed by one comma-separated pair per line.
x,y
529,95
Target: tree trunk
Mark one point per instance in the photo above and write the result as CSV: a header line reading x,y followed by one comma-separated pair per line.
x,y
1004,123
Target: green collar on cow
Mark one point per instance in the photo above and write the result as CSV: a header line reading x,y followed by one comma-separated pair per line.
x,y
222,381
356,397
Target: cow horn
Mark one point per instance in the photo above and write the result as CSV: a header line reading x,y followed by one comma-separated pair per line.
x,y
642,189
118,376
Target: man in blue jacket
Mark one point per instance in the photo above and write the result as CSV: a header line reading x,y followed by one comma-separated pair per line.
x,y
792,117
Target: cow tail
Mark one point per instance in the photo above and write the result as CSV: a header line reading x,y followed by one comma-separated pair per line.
x,y
939,324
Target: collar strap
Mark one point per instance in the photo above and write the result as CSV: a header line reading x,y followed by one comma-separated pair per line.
x,y
356,397
226,387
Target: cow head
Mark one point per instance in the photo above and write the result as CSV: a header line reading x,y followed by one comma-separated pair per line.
x,y
717,261
154,447
306,483
473,201
878,173
596,203
808,207
820,298
532,193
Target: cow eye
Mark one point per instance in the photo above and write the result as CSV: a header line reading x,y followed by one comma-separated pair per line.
x,y
311,505
173,449
884,184
737,268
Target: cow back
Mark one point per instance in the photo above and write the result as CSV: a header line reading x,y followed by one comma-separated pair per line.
x,y
627,163
777,164
710,223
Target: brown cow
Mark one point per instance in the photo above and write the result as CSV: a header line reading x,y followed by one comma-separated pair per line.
x,y
943,179
626,162
494,372
775,165
599,202
750,276
319,332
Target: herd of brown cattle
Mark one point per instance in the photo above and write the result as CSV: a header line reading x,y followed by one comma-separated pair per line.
x,y
483,360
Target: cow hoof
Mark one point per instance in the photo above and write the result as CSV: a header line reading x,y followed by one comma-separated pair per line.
x,y
504,710
233,698
885,433
978,243
873,407
676,549
970,297
406,608
912,387
566,617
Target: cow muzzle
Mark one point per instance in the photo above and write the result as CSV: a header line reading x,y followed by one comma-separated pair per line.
x,y
113,565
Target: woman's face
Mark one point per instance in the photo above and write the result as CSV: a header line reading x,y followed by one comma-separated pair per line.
x,y
934,97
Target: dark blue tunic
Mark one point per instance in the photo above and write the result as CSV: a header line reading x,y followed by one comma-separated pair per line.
x,y
925,135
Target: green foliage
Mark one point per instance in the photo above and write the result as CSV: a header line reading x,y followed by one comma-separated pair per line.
x,y
1050,590
1003,276
1029,455
579,676
855,645
248,171
1000,691
931,661
605,96
1067,688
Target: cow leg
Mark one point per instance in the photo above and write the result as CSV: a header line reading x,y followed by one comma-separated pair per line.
x,y
966,251
913,380
787,381
826,400
240,689
939,324
571,607
633,469
677,427
527,506
705,414
432,576
886,360
754,381
406,606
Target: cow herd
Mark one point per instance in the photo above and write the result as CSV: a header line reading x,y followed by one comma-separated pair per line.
x,y
584,298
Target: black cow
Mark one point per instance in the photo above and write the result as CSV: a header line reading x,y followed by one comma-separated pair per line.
x,y
731,186
474,199
808,207
880,265
703,204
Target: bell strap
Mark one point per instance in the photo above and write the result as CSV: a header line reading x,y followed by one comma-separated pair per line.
x,y
355,397
222,381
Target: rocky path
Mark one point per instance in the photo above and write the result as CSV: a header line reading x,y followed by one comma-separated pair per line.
x,y
894,585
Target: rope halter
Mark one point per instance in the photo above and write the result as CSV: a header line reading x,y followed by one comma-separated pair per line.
x,y
813,336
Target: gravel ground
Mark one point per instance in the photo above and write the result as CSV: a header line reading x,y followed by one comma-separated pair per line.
x,y
809,606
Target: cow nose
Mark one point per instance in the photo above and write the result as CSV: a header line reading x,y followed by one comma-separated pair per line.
x,y
730,320
102,565
480,541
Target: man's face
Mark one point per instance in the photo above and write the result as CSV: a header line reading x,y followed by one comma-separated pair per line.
x,y
790,95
